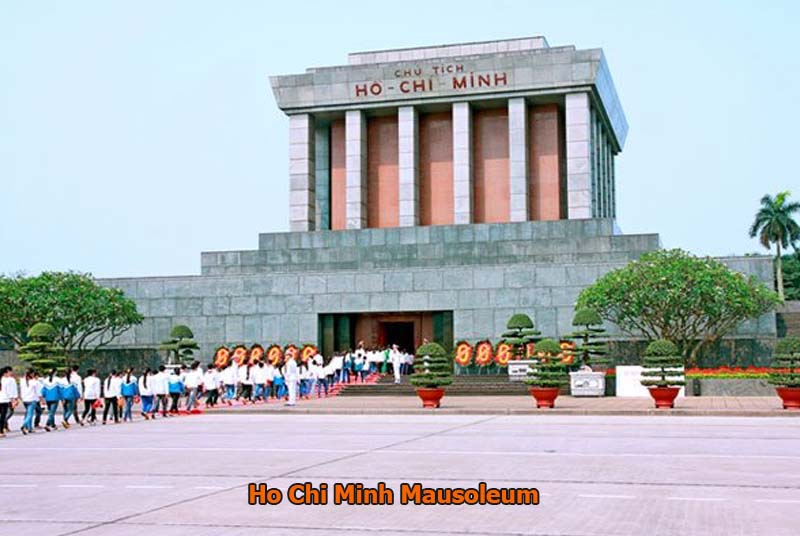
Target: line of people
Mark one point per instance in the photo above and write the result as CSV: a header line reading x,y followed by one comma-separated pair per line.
x,y
169,391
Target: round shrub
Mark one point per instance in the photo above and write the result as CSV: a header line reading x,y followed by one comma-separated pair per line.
x,y
548,346
431,367
586,317
42,331
181,332
520,321
660,348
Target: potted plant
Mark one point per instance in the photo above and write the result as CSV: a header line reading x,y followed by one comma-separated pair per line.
x,y
590,351
548,375
785,374
431,372
519,333
663,372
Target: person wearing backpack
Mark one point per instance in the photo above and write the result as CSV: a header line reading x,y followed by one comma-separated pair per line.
x,y
176,388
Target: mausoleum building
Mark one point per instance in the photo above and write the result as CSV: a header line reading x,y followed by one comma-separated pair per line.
x,y
434,192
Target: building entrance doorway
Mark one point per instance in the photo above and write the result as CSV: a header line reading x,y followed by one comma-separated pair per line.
x,y
399,333
340,332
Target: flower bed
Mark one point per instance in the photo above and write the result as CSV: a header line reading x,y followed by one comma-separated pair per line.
x,y
728,373
729,381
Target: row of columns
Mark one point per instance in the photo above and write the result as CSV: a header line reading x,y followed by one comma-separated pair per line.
x,y
589,166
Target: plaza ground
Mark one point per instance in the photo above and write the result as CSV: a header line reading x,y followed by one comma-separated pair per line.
x,y
598,475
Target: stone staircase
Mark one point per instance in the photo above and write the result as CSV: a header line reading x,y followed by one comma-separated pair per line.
x,y
495,385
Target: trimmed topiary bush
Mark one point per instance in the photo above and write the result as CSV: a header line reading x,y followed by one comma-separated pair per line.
x,y
786,363
549,371
519,332
40,351
180,346
589,350
432,367
663,365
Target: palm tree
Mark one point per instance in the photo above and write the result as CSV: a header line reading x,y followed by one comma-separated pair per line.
x,y
774,224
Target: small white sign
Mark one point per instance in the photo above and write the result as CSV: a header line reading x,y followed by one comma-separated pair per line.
x,y
518,370
629,382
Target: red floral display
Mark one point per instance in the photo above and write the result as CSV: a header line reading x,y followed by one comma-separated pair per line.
x,y
463,353
275,355
222,356
483,353
503,354
256,354
309,351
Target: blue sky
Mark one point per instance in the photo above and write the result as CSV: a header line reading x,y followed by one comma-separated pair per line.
x,y
134,135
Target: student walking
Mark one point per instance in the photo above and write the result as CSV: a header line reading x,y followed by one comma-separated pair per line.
x,y
8,397
69,399
228,376
29,387
129,389
91,395
51,392
176,388
75,392
246,381
192,380
291,375
146,394
211,385
111,394
160,390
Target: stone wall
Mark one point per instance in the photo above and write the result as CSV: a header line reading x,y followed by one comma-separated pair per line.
x,y
483,273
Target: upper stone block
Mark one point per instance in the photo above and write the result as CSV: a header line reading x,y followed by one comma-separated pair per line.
x,y
467,71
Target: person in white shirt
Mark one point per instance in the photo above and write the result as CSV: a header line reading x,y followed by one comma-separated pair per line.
x,y
146,394
9,396
211,385
91,394
30,395
396,360
229,379
192,383
291,375
111,394
259,381
246,381
160,390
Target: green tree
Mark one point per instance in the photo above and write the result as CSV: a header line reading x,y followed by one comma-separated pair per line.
x,y
589,349
662,365
548,372
670,294
86,316
40,350
774,224
791,276
432,367
180,346
519,332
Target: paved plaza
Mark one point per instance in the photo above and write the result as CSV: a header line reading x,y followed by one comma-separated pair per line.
x,y
598,475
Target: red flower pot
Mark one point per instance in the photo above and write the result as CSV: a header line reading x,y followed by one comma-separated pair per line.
x,y
431,397
664,396
545,396
790,397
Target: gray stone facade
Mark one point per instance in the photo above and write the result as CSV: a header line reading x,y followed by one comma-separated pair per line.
x,y
482,273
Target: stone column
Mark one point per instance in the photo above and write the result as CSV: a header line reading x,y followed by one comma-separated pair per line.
x,y
462,163
408,155
302,183
323,175
579,168
518,159
355,132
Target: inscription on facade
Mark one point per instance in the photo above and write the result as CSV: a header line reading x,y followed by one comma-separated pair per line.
x,y
431,79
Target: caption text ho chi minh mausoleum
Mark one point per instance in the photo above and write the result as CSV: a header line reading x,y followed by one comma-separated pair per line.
x,y
434,191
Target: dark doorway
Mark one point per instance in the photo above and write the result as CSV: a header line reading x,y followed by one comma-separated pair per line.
x,y
399,333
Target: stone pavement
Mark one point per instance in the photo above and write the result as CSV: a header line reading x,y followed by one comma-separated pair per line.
x,y
597,475
511,405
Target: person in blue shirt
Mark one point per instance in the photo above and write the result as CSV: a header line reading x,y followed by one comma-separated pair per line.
x,y
129,391
176,389
51,392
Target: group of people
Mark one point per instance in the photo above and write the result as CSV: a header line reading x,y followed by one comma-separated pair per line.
x,y
167,391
